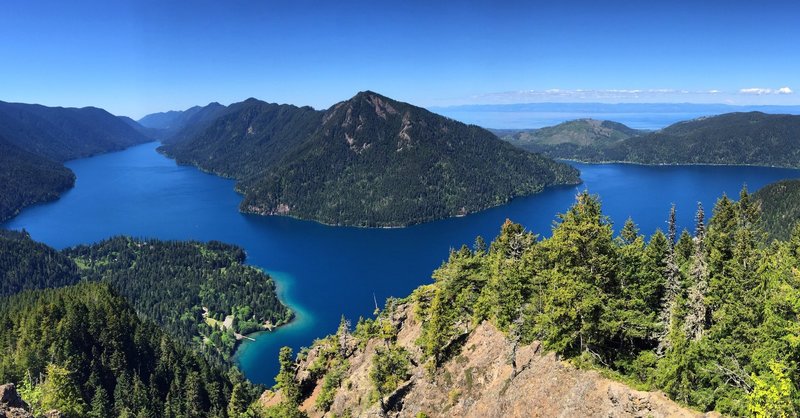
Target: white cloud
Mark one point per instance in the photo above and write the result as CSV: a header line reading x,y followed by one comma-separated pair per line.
x,y
761,91
755,90
522,96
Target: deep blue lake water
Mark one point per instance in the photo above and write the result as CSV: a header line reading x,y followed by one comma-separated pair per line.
x,y
322,271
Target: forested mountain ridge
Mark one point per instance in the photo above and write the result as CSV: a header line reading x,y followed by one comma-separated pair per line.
x,y
62,134
168,125
35,139
751,138
780,204
561,139
367,161
26,179
709,318
252,136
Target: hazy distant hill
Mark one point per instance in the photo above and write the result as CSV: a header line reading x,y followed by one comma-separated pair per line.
x,y
168,124
752,138
34,139
566,138
62,134
368,161
780,205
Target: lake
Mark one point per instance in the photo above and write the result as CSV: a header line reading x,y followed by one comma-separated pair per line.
x,y
324,272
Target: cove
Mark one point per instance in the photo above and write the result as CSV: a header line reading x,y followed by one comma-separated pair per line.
x,y
324,272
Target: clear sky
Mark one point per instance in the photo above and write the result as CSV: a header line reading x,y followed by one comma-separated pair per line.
x,y
138,57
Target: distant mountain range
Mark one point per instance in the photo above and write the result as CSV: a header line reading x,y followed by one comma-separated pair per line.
x,y
366,161
650,116
35,140
167,125
751,138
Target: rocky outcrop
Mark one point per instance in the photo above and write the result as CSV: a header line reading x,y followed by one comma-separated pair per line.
x,y
11,404
487,377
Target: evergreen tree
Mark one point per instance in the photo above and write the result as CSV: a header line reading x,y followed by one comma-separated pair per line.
x,y
672,286
629,231
695,323
101,404
239,401
581,275
285,380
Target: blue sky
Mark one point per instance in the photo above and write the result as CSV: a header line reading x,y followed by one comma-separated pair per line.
x,y
134,58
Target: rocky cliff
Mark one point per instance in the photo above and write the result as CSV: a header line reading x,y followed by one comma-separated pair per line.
x,y
11,404
486,376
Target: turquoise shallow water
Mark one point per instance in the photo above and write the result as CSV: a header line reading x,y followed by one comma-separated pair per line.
x,y
323,271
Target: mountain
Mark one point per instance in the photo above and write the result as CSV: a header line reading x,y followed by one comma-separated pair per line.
x,y
167,125
752,138
26,179
148,132
566,137
62,134
526,326
35,140
367,161
780,205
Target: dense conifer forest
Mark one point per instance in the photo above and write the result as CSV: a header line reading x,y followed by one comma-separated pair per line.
x,y
83,350
26,179
710,318
188,288
780,205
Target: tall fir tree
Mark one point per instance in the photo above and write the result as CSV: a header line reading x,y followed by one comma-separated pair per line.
x,y
696,317
672,286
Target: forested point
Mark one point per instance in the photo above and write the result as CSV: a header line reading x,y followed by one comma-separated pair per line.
x,y
202,294
709,318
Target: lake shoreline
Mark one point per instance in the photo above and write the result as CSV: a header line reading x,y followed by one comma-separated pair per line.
x,y
674,164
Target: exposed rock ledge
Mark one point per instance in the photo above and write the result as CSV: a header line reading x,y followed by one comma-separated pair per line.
x,y
480,382
12,405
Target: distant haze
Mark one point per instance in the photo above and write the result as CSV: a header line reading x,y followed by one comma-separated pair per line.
x,y
650,116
